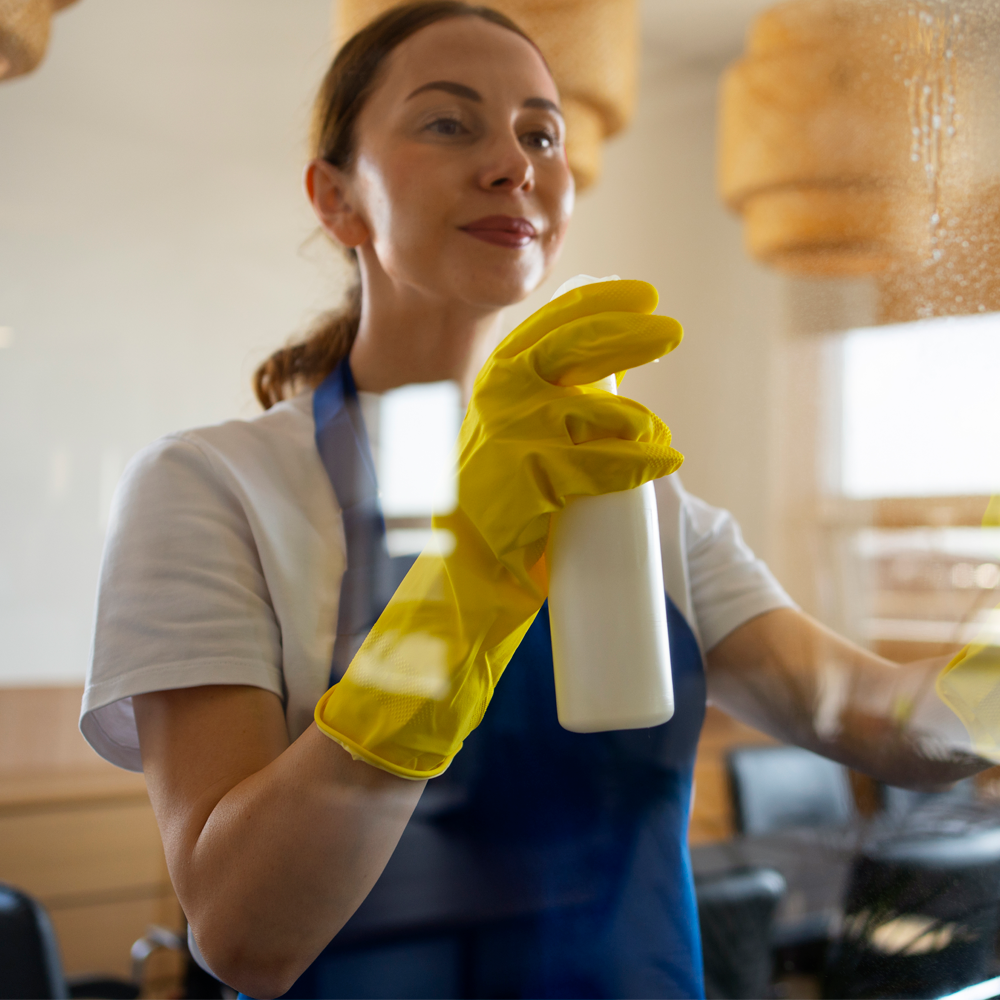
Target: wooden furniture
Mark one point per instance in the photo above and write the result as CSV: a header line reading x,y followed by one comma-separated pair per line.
x,y
80,836
712,816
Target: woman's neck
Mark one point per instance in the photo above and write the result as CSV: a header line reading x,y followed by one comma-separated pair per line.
x,y
407,337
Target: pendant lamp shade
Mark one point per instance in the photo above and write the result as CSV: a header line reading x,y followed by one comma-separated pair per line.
x,y
861,136
24,34
591,47
809,152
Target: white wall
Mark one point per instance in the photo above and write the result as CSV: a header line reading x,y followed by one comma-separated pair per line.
x,y
152,250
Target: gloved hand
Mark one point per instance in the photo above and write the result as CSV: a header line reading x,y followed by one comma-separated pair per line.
x,y
970,684
535,433
970,687
917,725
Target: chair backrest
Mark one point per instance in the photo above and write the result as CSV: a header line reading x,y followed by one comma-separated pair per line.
x,y
898,803
736,916
920,917
777,788
29,955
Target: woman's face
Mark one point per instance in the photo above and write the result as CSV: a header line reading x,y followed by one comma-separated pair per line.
x,y
460,175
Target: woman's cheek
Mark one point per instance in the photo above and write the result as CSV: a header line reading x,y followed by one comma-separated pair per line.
x,y
561,217
429,203
559,192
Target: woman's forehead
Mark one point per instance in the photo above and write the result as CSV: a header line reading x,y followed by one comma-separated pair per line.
x,y
469,51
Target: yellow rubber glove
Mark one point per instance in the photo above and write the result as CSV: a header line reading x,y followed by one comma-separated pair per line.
x,y
970,684
534,434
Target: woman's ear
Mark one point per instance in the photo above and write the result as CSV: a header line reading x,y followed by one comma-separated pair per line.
x,y
327,189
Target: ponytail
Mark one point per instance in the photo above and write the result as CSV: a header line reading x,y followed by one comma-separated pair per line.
x,y
305,364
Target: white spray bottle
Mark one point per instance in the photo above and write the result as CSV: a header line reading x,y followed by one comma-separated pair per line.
x,y
607,606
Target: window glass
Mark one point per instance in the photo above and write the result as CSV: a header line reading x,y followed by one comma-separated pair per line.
x,y
919,408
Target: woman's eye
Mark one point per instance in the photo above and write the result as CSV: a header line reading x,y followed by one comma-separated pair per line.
x,y
446,126
542,139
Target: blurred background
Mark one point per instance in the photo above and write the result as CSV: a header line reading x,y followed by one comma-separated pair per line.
x,y
837,397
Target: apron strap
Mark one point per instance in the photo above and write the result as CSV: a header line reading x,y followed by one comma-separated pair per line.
x,y
369,579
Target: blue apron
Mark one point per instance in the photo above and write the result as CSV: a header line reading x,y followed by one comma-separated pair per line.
x,y
543,863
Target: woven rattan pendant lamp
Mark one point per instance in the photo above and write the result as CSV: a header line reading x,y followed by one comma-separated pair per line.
x,y
862,137
592,48
24,33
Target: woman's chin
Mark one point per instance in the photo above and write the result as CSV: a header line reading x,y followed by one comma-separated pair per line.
x,y
502,287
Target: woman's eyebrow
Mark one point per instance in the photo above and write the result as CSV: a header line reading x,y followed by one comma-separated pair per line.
x,y
458,89
461,90
544,103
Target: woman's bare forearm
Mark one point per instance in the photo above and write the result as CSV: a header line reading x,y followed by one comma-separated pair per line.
x,y
291,852
271,847
794,679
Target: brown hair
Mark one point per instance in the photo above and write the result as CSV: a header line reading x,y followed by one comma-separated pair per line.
x,y
345,88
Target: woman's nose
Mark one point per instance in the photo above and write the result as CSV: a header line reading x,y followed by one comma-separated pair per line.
x,y
508,167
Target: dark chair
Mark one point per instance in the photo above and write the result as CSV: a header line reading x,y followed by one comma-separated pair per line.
x,y
736,914
900,803
29,957
778,788
920,918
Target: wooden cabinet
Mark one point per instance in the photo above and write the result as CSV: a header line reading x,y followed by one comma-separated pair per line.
x,y
80,836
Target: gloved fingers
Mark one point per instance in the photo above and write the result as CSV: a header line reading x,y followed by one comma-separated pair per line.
x,y
970,686
610,465
602,296
597,416
593,347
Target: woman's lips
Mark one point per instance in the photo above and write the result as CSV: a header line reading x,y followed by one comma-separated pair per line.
x,y
502,230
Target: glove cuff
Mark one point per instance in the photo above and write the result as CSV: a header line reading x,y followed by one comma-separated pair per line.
x,y
361,753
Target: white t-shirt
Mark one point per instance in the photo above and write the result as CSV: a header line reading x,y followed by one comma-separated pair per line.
x,y
224,559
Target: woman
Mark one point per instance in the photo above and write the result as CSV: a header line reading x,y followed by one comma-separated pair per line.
x,y
439,163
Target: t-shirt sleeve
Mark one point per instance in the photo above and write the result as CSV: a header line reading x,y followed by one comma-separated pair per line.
x,y
729,584
182,599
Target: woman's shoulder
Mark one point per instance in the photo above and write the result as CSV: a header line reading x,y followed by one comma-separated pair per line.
x,y
286,427
274,452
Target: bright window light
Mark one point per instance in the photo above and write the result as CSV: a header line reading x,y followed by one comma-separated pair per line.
x,y
921,408
418,428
